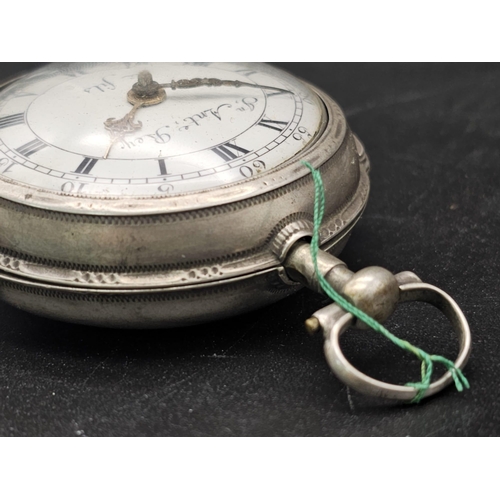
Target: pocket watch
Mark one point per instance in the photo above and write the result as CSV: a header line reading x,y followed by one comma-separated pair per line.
x,y
157,195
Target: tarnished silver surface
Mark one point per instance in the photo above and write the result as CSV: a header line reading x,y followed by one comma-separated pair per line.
x,y
357,380
161,307
376,292
172,249
168,307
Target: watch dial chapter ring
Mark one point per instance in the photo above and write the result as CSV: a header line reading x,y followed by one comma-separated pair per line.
x,y
331,136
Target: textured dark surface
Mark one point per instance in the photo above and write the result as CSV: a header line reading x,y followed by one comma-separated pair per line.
x,y
432,132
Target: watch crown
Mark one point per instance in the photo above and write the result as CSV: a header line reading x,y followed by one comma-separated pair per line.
x,y
289,235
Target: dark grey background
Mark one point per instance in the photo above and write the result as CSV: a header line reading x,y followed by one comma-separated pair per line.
x,y
432,132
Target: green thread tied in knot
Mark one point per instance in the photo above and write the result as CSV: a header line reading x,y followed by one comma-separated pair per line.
x,y
427,360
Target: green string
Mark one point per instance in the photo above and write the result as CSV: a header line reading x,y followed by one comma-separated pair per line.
x,y
427,360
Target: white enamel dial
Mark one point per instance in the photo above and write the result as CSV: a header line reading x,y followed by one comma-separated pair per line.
x,y
53,138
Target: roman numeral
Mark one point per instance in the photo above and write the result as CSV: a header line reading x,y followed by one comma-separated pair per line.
x,y
226,154
9,121
31,147
86,166
163,168
274,124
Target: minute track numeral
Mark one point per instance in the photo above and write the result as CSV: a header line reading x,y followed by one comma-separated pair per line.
x,y
274,124
31,147
86,166
11,120
224,151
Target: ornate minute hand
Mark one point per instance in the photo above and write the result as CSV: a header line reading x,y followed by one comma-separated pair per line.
x,y
147,92
215,82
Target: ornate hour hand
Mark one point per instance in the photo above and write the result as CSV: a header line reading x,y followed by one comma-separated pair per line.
x,y
147,92
119,127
